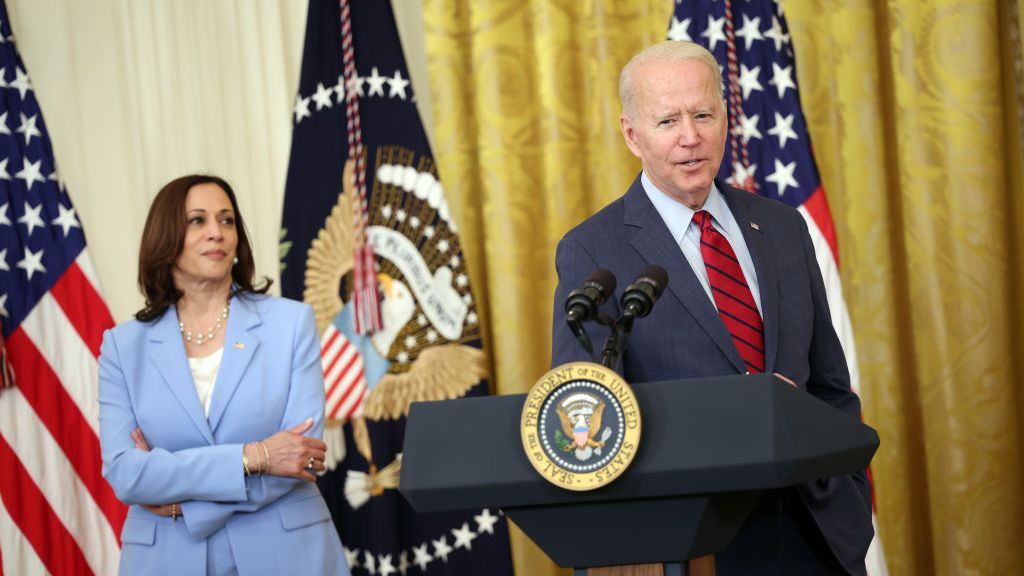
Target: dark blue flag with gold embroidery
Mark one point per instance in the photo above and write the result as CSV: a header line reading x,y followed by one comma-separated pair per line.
x,y
368,240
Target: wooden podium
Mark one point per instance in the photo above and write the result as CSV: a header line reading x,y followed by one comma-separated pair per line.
x,y
710,447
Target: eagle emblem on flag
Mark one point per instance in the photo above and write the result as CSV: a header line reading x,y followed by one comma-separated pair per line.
x,y
426,307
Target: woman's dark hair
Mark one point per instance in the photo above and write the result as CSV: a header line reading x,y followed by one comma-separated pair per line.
x,y
163,239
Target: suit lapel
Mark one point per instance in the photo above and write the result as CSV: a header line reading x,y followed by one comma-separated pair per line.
x,y
655,244
763,255
168,355
239,346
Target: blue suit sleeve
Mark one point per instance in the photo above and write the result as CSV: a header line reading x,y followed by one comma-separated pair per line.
x,y
305,400
157,476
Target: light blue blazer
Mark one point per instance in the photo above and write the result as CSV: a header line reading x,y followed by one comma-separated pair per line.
x,y
270,379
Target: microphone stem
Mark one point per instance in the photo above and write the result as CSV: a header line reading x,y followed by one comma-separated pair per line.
x,y
617,341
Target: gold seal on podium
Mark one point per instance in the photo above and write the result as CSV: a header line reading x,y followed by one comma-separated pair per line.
x,y
580,426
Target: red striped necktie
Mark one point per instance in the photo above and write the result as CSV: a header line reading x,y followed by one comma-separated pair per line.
x,y
731,293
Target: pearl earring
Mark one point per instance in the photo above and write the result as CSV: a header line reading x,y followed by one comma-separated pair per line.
x,y
236,260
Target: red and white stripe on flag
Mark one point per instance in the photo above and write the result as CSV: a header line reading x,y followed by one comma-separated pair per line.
x,y
344,377
57,513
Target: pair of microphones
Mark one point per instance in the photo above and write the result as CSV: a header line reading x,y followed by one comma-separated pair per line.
x,y
583,304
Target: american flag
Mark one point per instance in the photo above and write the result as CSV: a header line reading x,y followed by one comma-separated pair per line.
x,y
365,215
57,513
769,149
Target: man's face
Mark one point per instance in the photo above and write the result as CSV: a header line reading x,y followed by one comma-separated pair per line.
x,y
678,128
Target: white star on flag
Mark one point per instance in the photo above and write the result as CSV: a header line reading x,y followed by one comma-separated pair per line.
x,y
679,30
485,521
464,536
3,304
747,127
376,83
66,220
301,108
31,217
4,129
783,129
355,84
749,81
384,565
715,32
442,549
4,174
351,557
369,562
28,127
421,557
740,174
32,262
30,172
776,35
782,78
750,30
20,82
322,96
783,176
397,85
3,261
3,213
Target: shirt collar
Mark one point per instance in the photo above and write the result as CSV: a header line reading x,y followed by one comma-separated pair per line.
x,y
677,216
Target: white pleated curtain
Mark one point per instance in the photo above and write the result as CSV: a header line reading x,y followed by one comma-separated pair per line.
x,y
137,92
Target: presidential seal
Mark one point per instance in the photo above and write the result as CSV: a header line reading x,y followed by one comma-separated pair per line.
x,y
580,426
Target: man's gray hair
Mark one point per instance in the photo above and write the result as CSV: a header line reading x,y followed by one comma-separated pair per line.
x,y
669,51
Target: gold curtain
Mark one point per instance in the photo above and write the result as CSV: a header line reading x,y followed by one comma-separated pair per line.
x,y
915,110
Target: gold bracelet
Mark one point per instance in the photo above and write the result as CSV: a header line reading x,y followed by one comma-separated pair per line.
x,y
245,462
267,453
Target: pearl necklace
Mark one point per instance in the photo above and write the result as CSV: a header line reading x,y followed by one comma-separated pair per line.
x,y
202,338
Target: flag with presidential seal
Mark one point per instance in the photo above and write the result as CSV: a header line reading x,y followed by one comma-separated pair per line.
x,y
368,240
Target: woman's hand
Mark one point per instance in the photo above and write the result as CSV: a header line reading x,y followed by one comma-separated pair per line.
x,y
158,509
294,455
140,440
164,509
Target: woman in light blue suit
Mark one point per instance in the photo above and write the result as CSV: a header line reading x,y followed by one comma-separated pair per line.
x,y
212,405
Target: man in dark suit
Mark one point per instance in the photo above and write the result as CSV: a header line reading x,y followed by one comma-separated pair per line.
x,y
745,295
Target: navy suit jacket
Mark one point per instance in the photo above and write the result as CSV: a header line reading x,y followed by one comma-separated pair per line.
x,y
684,337
270,379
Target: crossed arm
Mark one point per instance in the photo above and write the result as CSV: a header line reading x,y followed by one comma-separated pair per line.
x,y
207,484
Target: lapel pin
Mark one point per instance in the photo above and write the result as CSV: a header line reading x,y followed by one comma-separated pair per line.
x,y
239,345
755,226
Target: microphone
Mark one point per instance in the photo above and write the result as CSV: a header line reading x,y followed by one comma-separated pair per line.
x,y
582,303
640,296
